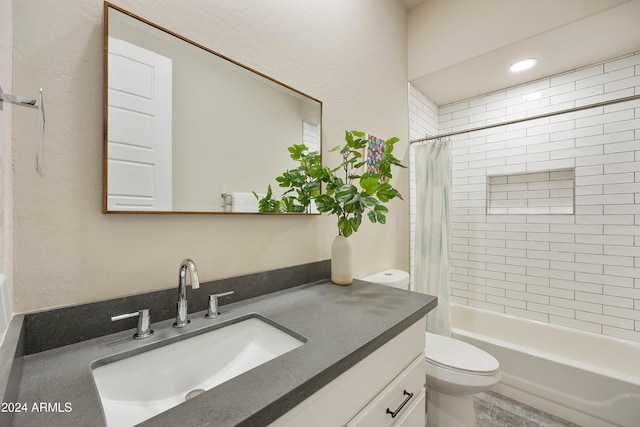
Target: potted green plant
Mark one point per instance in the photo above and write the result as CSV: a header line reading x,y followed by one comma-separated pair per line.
x,y
351,191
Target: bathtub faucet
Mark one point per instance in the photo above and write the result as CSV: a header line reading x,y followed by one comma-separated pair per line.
x,y
182,315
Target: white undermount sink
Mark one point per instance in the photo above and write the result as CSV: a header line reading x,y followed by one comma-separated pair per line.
x,y
141,386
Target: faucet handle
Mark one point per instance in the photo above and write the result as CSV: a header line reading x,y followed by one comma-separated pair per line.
x,y
212,310
144,322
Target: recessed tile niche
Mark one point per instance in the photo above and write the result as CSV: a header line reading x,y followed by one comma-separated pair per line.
x,y
548,192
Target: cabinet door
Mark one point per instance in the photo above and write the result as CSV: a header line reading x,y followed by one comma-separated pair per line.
x,y
390,405
343,398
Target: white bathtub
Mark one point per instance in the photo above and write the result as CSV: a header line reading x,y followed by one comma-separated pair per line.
x,y
589,379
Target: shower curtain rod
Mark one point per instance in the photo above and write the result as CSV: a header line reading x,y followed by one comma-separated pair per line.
x,y
539,116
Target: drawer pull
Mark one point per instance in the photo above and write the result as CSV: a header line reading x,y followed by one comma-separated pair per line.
x,y
395,413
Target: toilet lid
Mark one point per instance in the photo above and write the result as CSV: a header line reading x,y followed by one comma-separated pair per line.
x,y
458,355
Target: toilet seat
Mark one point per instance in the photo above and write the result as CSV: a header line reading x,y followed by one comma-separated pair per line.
x,y
459,356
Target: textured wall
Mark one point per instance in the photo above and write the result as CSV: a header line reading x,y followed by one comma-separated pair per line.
x,y
6,191
351,55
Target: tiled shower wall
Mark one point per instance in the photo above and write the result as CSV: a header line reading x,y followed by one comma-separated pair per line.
x,y
311,135
423,120
580,270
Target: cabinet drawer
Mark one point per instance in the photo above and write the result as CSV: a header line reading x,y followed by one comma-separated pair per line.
x,y
397,397
415,415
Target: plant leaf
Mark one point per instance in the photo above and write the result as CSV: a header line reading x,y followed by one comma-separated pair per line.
x,y
345,227
369,185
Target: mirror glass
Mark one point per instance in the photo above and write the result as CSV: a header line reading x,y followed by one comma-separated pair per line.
x,y
190,131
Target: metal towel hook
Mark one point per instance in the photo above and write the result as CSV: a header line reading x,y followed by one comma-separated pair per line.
x,y
40,126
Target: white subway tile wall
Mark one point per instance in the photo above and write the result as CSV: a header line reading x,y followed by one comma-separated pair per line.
x,y
423,121
311,135
548,192
579,270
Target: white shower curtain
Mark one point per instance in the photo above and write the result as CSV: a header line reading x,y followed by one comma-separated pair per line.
x,y
432,248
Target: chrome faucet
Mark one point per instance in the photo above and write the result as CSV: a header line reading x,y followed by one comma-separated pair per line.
x,y
182,317
212,311
144,322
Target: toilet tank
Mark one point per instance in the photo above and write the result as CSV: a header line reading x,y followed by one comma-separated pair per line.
x,y
395,278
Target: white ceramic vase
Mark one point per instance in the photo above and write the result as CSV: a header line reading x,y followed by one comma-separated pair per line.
x,y
341,261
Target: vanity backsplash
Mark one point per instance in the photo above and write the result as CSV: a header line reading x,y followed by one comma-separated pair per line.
x,y
50,329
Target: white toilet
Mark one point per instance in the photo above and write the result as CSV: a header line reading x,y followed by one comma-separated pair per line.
x,y
455,370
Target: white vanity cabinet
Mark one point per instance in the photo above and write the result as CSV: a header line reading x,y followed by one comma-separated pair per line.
x,y
390,381
398,401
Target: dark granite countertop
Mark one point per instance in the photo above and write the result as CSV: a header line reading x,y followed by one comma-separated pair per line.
x,y
342,325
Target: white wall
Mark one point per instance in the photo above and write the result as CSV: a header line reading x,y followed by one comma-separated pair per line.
x,y
6,194
578,270
351,55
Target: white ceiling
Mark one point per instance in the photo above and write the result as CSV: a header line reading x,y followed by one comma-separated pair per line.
x,y
458,49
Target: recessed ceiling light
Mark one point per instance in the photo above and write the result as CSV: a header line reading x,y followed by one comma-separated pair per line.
x,y
522,65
